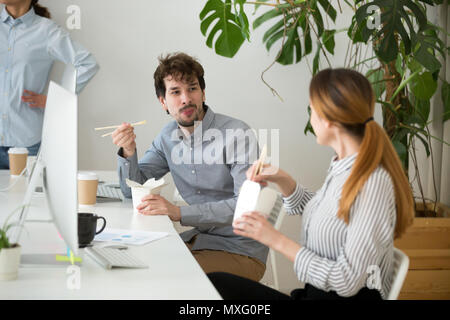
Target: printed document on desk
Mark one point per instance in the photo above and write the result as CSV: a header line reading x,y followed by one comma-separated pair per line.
x,y
129,237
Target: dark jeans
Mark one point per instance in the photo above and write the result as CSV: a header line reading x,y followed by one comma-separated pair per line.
x,y
4,157
232,287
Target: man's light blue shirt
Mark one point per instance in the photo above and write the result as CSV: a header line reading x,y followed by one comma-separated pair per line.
x,y
28,47
208,169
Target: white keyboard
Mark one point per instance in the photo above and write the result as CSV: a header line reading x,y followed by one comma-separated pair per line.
x,y
109,191
114,258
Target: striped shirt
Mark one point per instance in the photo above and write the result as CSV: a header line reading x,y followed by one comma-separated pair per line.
x,y
341,257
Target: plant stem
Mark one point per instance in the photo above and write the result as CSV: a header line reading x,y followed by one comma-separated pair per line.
x,y
280,6
424,132
432,170
403,83
416,170
274,92
262,3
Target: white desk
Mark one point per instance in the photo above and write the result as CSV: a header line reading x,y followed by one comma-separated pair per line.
x,y
173,273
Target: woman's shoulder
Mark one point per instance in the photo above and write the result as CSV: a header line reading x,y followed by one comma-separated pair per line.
x,y
50,26
380,179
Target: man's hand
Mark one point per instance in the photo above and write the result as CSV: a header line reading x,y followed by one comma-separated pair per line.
x,y
157,205
34,99
124,137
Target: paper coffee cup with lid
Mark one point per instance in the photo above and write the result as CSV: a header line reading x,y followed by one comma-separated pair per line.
x,y
87,188
138,191
17,160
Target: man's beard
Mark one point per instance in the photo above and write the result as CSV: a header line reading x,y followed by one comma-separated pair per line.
x,y
190,123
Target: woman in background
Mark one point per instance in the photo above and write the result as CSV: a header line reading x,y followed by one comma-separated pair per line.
x,y
29,44
349,224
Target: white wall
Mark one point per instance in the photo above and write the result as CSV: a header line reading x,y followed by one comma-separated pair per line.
x,y
126,37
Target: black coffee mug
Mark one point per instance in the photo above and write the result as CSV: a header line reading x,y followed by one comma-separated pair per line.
x,y
87,228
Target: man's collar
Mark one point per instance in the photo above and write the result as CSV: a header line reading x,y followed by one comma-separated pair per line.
x,y
205,122
207,118
27,19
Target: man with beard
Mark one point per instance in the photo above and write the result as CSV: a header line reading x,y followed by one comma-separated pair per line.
x,y
208,176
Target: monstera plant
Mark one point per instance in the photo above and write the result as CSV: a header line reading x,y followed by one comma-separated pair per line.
x,y
391,41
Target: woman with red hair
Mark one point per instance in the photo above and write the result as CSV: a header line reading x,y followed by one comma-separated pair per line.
x,y
349,224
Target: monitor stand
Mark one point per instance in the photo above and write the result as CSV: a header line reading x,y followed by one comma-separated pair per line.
x,y
46,260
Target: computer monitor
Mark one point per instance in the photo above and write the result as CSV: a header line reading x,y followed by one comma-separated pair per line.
x,y
58,162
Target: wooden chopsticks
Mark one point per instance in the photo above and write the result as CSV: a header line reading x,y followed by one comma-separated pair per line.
x,y
115,127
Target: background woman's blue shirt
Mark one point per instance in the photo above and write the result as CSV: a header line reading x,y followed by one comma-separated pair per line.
x,y
28,47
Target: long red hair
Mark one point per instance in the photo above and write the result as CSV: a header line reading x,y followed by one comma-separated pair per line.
x,y
346,97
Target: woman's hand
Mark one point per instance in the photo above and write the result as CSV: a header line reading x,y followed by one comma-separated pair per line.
x,y
255,226
34,99
269,173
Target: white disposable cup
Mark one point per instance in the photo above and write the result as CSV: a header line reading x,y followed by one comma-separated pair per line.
x,y
137,193
87,188
17,160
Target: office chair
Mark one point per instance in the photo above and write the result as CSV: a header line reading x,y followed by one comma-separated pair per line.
x,y
272,257
401,264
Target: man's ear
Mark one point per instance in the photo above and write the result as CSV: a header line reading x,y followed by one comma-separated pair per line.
x,y
163,102
204,96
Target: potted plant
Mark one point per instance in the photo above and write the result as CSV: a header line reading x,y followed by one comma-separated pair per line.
x,y
400,51
9,252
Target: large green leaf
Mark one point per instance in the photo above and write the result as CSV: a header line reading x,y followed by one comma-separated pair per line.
x,y
426,43
217,14
291,46
422,107
242,19
424,142
317,17
328,40
316,58
289,25
376,79
266,16
308,126
414,65
423,86
402,151
394,16
328,8
291,52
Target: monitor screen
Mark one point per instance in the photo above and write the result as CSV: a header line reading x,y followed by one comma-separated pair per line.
x,y
58,163
59,157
